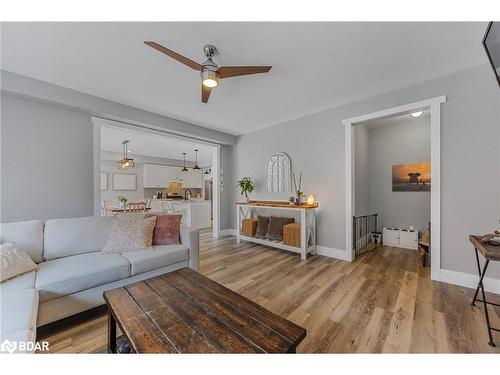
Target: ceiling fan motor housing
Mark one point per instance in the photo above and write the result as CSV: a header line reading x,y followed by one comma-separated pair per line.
x,y
209,50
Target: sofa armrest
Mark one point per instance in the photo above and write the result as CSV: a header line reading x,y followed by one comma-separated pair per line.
x,y
191,238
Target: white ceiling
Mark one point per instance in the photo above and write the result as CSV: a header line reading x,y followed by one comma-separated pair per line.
x,y
315,65
145,144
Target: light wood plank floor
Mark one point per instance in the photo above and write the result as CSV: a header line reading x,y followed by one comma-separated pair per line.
x,y
383,302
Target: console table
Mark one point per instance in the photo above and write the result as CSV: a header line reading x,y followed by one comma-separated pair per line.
x,y
247,210
489,253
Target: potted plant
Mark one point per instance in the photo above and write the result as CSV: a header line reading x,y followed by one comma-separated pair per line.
x,y
298,192
246,186
122,199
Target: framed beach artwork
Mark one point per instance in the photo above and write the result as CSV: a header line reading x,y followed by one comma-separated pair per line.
x,y
411,177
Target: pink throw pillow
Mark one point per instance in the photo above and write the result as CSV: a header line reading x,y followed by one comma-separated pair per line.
x,y
167,229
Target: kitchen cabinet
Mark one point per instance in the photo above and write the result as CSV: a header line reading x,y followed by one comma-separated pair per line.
x,y
155,176
159,176
404,238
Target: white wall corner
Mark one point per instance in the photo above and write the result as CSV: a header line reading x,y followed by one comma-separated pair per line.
x,y
333,253
469,280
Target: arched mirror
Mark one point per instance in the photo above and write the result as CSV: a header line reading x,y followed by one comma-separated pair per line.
x,y
279,171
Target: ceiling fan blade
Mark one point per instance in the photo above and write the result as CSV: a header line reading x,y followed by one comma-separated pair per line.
x,y
205,93
192,64
233,71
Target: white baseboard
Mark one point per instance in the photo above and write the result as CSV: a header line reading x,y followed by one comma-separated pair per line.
x,y
468,280
228,232
332,252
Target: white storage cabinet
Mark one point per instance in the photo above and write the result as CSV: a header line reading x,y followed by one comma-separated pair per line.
x,y
405,238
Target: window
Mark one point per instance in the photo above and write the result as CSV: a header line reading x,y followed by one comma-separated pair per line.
x,y
279,173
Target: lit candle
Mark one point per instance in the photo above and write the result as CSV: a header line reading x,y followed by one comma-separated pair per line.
x,y
310,199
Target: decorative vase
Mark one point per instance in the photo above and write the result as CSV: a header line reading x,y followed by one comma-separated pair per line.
x,y
297,201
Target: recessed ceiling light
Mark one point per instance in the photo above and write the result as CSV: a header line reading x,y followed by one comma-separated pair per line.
x,y
417,114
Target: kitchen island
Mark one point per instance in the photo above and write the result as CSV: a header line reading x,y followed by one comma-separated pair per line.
x,y
196,213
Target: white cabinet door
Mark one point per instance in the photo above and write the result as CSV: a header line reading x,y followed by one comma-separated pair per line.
x,y
197,178
390,237
155,176
408,239
150,175
175,173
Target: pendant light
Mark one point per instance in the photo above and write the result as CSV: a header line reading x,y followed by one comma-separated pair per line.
x,y
196,163
207,171
126,162
184,169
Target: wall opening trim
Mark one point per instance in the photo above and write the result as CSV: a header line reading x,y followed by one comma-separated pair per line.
x,y
434,105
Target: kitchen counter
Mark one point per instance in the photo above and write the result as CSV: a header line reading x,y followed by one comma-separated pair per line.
x,y
196,212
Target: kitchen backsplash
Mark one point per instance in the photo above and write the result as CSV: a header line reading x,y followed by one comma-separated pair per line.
x,y
149,192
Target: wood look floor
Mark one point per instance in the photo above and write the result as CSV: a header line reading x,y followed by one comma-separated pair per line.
x,y
383,302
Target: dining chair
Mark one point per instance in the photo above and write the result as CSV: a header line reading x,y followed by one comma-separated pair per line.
x,y
135,207
105,209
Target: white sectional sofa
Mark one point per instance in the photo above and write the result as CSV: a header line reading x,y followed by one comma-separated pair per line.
x,y
72,273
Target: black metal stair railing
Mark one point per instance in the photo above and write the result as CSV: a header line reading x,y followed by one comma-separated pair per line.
x,y
365,235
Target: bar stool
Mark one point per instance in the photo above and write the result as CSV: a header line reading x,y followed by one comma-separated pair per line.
x,y
490,253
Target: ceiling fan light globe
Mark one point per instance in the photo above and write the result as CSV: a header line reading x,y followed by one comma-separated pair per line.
x,y
209,82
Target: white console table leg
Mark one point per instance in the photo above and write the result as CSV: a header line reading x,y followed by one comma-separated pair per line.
x,y
238,224
303,236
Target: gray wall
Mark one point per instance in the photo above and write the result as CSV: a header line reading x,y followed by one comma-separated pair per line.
x,y
25,87
226,201
47,148
47,164
408,141
470,160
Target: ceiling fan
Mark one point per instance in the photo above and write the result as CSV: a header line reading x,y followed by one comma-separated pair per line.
x,y
210,71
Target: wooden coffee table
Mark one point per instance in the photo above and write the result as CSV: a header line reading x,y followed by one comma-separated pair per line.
x,y
185,312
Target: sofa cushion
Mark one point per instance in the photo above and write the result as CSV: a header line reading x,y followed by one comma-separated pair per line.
x,y
28,235
167,229
24,281
158,256
18,311
14,261
63,276
66,237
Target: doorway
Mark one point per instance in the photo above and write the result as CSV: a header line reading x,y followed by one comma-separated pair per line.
x,y
163,175
432,105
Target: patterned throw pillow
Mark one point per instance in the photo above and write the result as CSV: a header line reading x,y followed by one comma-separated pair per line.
x,y
14,261
129,235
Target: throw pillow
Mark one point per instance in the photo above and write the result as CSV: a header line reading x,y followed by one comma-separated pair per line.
x,y
275,228
167,229
14,261
129,234
262,224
